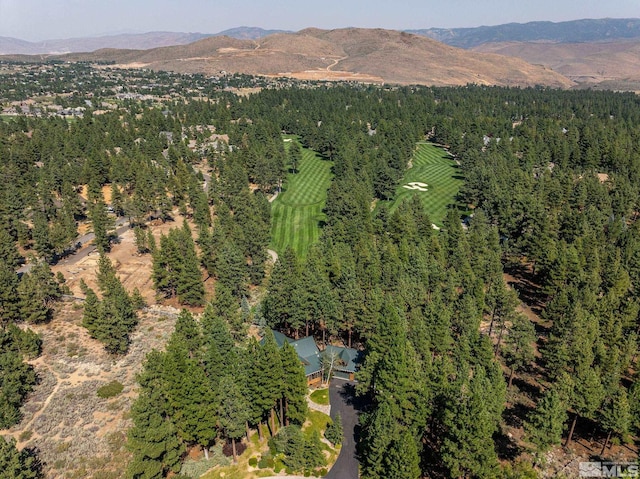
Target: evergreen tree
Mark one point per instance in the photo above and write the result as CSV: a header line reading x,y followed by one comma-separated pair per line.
x,y
190,287
111,320
616,415
294,386
153,438
9,299
468,448
190,395
313,452
38,290
16,464
103,225
233,411
546,422
403,460
269,377
334,431
8,252
519,344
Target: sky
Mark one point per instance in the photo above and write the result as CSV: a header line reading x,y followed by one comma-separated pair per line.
x,y
35,20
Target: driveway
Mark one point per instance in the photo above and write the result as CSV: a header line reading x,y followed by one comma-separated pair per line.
x,y
343,401
82,252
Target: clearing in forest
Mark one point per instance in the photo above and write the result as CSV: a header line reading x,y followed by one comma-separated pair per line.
x,y
297,211
435,176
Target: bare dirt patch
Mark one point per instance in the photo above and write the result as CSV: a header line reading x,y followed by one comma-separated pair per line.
x,y
77,433
133,269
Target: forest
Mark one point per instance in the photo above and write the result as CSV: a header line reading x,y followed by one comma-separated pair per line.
x,y
551,202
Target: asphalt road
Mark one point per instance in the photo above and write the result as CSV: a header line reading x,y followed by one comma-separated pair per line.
x,y
82,252
343,401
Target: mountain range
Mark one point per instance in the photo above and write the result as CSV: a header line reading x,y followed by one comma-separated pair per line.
x,y
590,53
369,55
134,41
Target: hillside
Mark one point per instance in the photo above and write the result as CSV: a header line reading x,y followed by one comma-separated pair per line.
x,y
373,55
137,41
129,41
604,52
587,30
582,62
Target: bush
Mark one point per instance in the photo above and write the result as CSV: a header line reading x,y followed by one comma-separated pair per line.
x,y
195,468
110,390
253,462
333,433
266,462
227,449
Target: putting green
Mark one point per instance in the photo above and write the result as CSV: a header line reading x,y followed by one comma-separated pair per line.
x,y
434,177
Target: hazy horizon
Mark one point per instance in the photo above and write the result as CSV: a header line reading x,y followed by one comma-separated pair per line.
x,y
34,20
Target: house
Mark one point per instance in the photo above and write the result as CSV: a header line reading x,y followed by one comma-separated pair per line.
x,y
345,364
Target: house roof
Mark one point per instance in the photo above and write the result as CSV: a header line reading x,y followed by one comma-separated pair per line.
x,y
280,338
309,354
349,358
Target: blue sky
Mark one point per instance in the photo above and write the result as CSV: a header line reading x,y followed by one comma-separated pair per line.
x,y
48,19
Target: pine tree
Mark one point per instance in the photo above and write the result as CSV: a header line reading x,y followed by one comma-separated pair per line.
x,y
190,394
93,313
312,453
468,448
269,377
403,460
111,320
8,252
616,415
16,464
9,299
587,396
334,431
190,287
295,156
103,225
294,386
233,411
546,422
153,438
519,344
38,290
379,430
187,330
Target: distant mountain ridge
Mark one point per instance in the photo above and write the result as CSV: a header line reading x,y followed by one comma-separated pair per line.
x,y
351,54
130,41
574,31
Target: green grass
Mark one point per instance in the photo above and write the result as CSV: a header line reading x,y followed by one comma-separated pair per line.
x,y
297,211
320,396
433,166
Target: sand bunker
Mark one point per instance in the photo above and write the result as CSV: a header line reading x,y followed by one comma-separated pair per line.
x,y
416,185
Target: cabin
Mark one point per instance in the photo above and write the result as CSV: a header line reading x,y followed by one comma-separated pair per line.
x,y
346,359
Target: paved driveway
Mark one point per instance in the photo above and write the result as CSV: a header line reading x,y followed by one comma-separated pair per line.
x,y
343,401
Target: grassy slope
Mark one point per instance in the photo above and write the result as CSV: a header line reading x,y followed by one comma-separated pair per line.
x,y
433,166
297,211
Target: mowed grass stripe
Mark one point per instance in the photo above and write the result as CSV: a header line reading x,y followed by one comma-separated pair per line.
x,y
297,211
434,167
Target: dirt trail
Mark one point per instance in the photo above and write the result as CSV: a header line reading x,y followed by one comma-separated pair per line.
x,y
335,62
45,404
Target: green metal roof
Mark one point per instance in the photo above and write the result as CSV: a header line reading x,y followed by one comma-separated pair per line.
x,y
310,355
